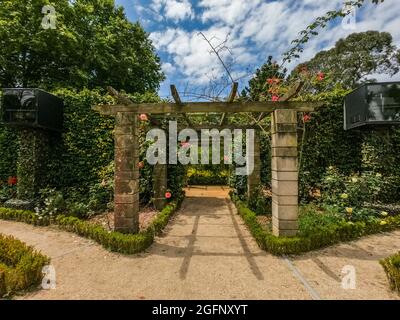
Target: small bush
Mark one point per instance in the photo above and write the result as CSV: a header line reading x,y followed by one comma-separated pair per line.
x,y
391,265
20,266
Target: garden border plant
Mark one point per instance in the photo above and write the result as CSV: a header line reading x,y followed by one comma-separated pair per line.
x,y
322,237
391,265
111,240
20,266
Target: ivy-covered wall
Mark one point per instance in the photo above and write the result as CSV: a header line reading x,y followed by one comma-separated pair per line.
x,y
80,159
326,143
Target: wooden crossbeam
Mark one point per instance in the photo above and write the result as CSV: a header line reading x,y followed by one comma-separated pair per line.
x,y
178,101
226,126
175,95
204,107
122,99
230,99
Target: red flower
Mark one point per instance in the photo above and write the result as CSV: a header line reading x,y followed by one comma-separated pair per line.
x,y
275,98
320,76
12,181
270,81
140,165
143,117
168,195
306,118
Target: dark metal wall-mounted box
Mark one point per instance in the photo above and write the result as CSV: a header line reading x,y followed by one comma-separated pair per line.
x,y
32,108
373,104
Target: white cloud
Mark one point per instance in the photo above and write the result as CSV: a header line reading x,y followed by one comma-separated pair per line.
x,y
168,68
256,29
173,9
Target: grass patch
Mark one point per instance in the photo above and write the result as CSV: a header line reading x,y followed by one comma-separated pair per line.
x,y
391,265
113,241
316,230
20,266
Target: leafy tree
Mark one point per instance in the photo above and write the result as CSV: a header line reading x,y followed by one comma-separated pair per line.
x,y
355,57
93,45
258,85
320,23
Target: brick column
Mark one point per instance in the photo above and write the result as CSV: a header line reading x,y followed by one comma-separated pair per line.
x,y
254,180
284,173
126,192
160,185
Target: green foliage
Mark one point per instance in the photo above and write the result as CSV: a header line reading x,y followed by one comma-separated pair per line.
x,y
33,153
113,241
317,230
86,145
259,203
354,58
391,265
258,86
20,266
326,143
354,191
93,45
9,155
207,175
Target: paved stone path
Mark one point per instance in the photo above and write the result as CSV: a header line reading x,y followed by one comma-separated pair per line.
x,y
206,253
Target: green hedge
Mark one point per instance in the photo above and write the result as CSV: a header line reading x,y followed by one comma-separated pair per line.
x,y
113,241
201,176
322,237
20,266
391,265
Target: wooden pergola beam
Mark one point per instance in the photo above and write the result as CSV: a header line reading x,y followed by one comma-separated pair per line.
x,y
210,126
207,107
230,99
122,99
178,101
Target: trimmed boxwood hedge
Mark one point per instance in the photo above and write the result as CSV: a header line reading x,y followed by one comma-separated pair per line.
x,y
343,231
20,266
391,265
113,241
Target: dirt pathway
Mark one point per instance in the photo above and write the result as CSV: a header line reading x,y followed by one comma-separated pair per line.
x,y
206,253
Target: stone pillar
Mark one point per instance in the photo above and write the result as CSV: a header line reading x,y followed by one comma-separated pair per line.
x,y
160,185
254,180
126,194
284,173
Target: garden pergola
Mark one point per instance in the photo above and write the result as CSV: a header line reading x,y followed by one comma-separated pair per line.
x,y
283,145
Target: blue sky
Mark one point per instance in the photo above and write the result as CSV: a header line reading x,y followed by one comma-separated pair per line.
x,y
252,29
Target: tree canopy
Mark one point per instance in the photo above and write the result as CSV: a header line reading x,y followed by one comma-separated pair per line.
x,y
258,86
353,59
93,45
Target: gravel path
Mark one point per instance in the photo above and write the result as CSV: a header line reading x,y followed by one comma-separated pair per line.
x,y
206,253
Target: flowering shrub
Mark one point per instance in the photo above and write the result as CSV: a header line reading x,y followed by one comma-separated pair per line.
x,y
349,196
